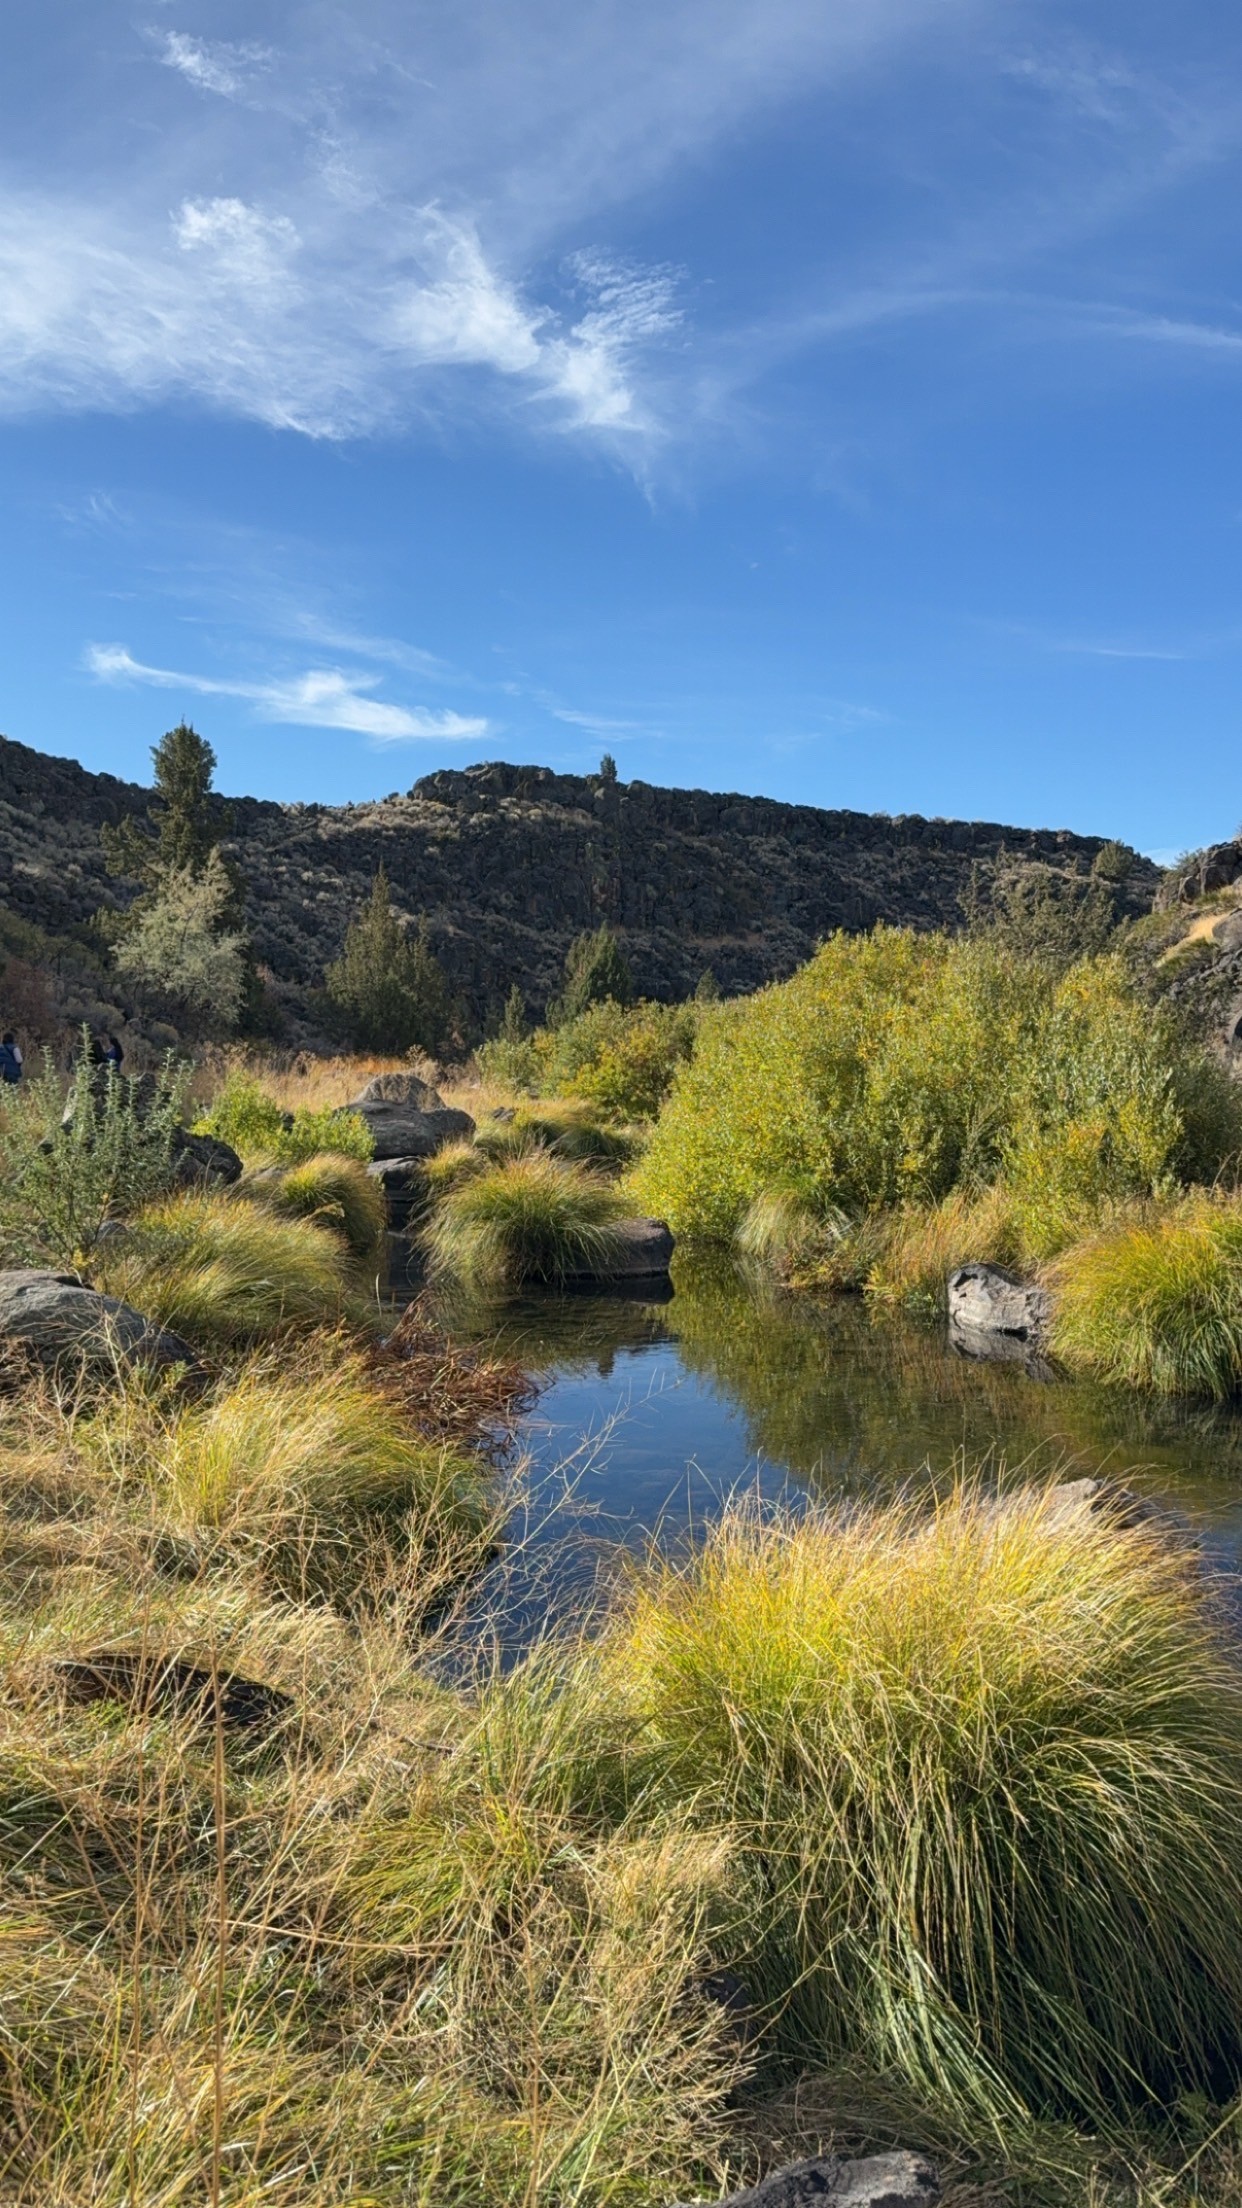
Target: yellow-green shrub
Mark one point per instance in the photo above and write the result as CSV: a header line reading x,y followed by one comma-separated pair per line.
x,y
244,1115
895,1068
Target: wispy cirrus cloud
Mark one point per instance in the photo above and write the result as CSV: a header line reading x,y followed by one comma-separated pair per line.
x,y
323,697
337,330
212,64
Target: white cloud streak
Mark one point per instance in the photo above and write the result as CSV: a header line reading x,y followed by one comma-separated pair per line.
x,y
324,697
212,65
337,332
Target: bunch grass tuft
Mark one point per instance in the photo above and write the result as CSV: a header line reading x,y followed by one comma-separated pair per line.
x,y
534,1217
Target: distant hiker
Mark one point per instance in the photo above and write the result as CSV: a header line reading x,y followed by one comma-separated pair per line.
x,y
113,1054
10,1059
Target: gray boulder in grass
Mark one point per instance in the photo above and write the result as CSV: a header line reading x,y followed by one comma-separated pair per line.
x,y
900,2180
57,1319
401,1130
985,1299
641,1249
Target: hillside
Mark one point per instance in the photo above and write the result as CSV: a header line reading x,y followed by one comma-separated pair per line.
x,y
509,863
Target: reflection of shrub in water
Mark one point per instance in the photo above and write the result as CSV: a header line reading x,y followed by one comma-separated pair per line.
x,y
851,1399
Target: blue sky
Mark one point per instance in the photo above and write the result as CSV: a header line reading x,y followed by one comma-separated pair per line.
x,y
830,398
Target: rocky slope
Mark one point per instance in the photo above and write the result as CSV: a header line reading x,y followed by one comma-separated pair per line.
x,y
509,863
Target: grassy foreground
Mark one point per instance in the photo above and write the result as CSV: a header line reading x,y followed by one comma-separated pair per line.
x,y
956,1798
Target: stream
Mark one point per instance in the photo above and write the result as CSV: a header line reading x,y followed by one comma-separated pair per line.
x,y
650,1413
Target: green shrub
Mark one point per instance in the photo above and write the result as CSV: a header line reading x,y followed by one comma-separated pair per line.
x,y
516,1062
622,1060
346,1134
244,1115
532,1218
985,1771
1156,1301
1091,1104
896,1068
871,1078
223,1272
331,1191
60,1181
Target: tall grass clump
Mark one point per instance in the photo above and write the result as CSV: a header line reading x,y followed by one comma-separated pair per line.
x,y
1154,1300
984,1768
569,1128
224,1272
332,1191
300,1473
534,1217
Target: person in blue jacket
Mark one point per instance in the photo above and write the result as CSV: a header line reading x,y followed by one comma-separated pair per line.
x,y
10,1059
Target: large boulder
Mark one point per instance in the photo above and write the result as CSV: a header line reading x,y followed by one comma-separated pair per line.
x,y
985,1299
643,1251
399,1088
401,1130
900,2180
56,1319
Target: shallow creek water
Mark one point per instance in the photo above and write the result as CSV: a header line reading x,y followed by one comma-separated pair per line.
x,y
650,1413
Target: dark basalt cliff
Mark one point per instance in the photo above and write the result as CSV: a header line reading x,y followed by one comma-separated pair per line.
x,y
509,863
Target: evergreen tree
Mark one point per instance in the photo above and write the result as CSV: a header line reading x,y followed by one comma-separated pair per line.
x,y
184,822
595,973
513,1027
388,986
181,941
608,768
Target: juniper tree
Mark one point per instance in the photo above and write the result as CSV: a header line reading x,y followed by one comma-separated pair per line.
x,y
388,986
184,823
595,972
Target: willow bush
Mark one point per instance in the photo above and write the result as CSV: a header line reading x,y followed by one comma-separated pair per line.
x,y
895,1068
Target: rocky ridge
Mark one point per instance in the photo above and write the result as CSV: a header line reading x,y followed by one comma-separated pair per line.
x,y
510,862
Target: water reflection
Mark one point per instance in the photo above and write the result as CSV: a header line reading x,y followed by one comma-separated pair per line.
x,y
663,1408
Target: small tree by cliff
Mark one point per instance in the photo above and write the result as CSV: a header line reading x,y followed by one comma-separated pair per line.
x,y
388,986
181,951
596,972
181,942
